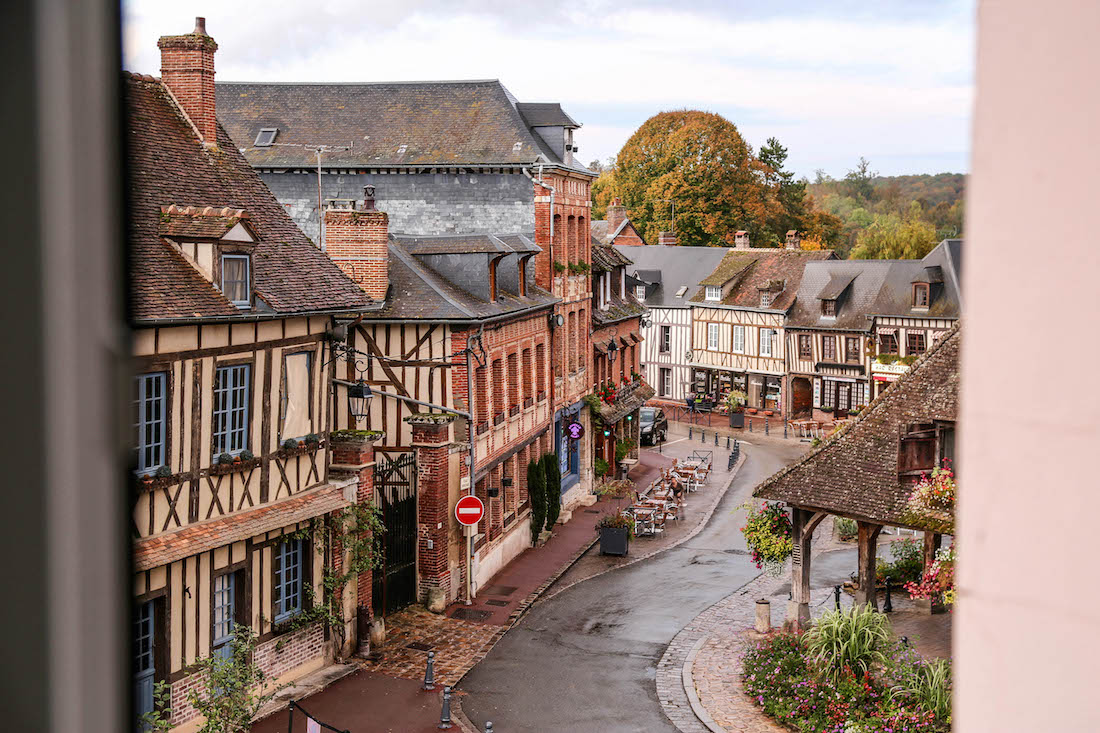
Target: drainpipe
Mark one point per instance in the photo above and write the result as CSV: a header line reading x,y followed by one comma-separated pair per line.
x,y
553,330
472,433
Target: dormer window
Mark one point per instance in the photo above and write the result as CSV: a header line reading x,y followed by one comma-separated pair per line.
x,y
920,295
714,293
828,308
236,280
639,292
765,299
266,137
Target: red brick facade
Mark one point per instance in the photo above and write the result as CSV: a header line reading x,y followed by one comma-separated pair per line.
x,y
357,242
187,69
432,439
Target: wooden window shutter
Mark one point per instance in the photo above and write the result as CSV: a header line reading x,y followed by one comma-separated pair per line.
x,y
817,391
917,449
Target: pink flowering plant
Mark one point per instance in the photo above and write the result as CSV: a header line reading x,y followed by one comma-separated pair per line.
x,y
938,580
897,695
769,536
932,501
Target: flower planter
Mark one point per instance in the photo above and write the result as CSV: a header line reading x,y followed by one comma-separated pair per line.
x,y
751,410
614,541
219,469
737,419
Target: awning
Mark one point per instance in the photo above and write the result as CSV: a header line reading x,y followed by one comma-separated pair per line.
x,y
623,341
888,331
600,348
638,339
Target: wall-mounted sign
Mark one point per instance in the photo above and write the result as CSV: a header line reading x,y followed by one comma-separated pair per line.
x,y
574,430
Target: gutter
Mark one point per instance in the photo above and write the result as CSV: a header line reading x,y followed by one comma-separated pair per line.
x,y
250,317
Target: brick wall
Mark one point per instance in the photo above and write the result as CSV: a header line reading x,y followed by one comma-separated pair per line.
x,y
357,242
432,438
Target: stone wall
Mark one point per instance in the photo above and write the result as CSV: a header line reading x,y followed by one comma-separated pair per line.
x,y
426,203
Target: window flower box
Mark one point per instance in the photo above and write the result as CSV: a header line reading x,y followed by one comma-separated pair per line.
x,y
482,427
237,466
498,418
513,411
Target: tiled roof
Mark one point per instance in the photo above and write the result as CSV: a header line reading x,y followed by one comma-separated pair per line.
x,y
168,164
855,472
606,259
762,268
938,267
383,124
866,278
680,267
191,221
194,539
627,401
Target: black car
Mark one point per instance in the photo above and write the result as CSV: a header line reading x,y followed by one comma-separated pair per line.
x,y
654,425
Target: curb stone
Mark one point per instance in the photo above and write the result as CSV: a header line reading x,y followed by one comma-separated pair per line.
x,y
688,678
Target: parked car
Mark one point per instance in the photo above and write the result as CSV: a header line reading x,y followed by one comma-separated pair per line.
x,y
654,425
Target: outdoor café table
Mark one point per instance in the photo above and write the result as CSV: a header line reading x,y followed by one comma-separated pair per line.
x,y
643,519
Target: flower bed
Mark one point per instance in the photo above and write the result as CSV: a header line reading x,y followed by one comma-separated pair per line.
x,y
780,677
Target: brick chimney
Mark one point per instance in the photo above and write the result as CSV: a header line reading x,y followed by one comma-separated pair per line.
x,y
668,238
741,239
356,240
616,213
187,69
794,239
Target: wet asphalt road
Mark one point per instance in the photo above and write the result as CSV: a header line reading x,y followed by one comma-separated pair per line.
x,y
586,659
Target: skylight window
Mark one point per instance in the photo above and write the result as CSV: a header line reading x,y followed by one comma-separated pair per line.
x,y
266,138
681,290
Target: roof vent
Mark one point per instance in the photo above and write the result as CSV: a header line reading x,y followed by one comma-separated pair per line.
x,y
401,150
266,137
517,147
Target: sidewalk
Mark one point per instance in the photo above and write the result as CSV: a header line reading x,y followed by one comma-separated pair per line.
x,y
385,695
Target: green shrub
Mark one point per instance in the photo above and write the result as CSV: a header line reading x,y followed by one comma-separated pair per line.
x,y
854,639
536,493
846,528
601,467
886,358
623,448
925,685
908,562
553,488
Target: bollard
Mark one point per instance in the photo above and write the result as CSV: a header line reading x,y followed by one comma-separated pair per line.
x,y
763,616
702,436
749,421
445,713
765,426
660,447
488,726
716,437
836,590
689,432
905,641
727,442
887,606
784,430
429,672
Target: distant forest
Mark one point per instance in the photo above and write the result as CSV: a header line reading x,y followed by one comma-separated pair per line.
x,y
697,164
881,215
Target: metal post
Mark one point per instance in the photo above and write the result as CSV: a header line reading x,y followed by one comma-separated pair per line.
x,y
727,442
488,726
765,426
749,421
429,672
445,713
689,432
702,436
836,591
715,437
888,606
784,430
290,720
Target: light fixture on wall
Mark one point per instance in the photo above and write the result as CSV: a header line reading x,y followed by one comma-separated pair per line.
x,y
359,397
612,350
557,320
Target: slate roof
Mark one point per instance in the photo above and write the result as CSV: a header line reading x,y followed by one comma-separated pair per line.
x,y
386,124
866,278
418,292
938,267
761,268
545,114
168,165
679,266
855,472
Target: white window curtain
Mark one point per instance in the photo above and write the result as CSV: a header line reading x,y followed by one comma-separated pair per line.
x,y
296,422
739,339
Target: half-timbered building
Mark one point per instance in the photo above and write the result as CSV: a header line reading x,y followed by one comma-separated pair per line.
x,y
665,279
231,307
616,348
739,319
919,302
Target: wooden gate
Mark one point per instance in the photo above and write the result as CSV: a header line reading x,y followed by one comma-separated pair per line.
x,y
394,583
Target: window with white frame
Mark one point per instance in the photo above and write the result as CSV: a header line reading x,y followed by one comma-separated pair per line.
x,y
231,401
224,612
666,339
714,292
765,342
235,280
639,292
289,578
666,382
150,418
712,336
765,299
739,339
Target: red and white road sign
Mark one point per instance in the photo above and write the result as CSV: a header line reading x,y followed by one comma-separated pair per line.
x,y
469,510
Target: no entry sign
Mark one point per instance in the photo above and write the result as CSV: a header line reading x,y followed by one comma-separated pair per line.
x,y
469,510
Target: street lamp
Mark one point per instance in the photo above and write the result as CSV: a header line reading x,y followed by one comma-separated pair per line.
x,y
612,350
359,397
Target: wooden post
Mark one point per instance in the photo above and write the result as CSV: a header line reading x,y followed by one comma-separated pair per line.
x,y
932,542
803,523
868,550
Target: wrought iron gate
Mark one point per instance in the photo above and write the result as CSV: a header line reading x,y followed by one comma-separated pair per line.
x,y
394,583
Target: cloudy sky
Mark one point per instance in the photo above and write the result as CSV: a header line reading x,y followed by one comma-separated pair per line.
x,y
833,79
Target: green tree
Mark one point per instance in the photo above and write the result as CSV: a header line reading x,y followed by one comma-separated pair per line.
x,y
536,493
553,488
890,237
858,181
790,192
603,190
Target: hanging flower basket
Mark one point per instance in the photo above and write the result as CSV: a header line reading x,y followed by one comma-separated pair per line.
x,y
770,537
932,502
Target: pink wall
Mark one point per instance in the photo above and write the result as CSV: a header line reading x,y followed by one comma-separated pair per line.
x,y
1027,633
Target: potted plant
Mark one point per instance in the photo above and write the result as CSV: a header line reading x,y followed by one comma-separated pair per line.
x,y
615,533
735,404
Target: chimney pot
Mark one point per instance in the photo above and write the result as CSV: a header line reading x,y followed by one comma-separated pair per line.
x,y
667,238
368,197
200,26
741,239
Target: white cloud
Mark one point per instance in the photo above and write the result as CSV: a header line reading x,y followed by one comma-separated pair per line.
x,y
829,88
